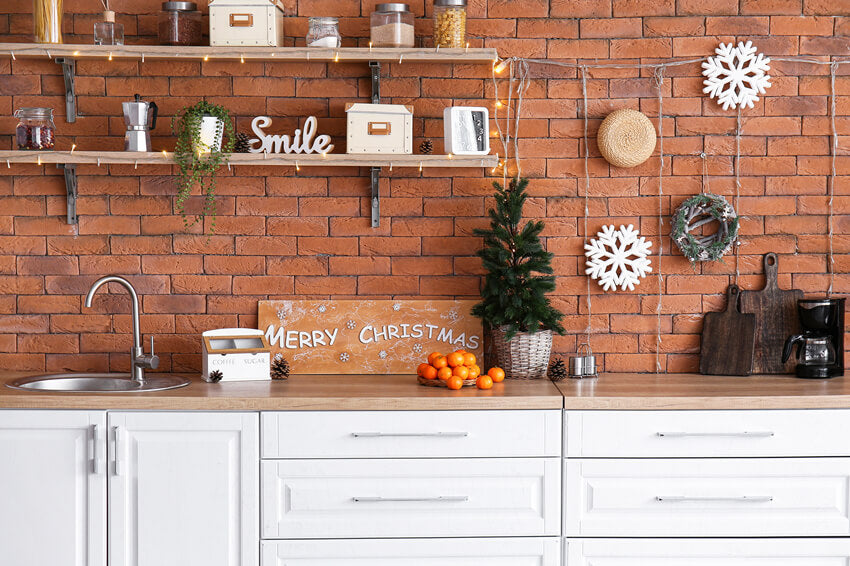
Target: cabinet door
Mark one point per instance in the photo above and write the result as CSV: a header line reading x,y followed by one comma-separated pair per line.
x,y
411,498
183,489
52,488
715,497
414,552
708,552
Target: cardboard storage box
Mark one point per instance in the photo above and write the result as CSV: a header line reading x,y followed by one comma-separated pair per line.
x,y
246,22
379,128
240,354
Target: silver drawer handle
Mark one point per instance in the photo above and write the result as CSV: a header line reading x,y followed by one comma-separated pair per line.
x,y
745,434
739,498
409,434
444,498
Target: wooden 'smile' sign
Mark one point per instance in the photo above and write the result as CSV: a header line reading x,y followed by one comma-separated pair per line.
x,y
367,336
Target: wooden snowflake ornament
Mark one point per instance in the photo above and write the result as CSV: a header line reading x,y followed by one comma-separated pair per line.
x,y
618,258
737,75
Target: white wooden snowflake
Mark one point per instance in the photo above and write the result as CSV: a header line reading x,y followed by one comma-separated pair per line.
x,y
737,75
618,257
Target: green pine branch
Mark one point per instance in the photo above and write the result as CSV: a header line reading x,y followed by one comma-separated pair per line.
x,y
519,269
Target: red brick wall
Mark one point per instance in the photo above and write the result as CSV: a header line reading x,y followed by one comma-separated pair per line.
x,y
282,234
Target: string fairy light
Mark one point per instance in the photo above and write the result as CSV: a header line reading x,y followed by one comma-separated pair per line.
x,y
659,83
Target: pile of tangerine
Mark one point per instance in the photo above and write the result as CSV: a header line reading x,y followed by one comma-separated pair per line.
x,y
456,367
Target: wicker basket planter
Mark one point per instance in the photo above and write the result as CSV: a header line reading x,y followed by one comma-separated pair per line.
x,y
526,356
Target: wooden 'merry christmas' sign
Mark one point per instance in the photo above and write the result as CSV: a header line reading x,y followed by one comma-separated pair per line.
x,y
367,336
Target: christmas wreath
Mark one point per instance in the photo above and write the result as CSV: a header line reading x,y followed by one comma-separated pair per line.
x,y
698,211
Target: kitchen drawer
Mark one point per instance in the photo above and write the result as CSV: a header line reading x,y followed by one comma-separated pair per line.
x,y
410,434
410,498
647,434
712,552
414,552
712,498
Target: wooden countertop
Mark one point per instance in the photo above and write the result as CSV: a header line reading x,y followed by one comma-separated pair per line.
x,y
299,392
641,391
401,392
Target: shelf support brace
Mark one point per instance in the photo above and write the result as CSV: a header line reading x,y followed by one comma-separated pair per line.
x,y
376,197
71,189
375,69
69,69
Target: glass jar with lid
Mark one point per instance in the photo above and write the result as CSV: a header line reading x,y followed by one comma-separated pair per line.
x,y
179,24
35,129
392,26
323,32
450,23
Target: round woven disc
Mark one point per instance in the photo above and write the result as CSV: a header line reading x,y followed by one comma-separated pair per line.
x,y
626,138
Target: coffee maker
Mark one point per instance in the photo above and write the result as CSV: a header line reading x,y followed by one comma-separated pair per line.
x,y
138,136
820,348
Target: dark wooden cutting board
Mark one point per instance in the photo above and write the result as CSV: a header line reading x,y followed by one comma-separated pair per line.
x,y
728,339
776,319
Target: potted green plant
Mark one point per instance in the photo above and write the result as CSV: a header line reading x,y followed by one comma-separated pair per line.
x,y
514,305
204,143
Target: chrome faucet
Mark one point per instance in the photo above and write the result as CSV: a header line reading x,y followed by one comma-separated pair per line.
x,y
138,360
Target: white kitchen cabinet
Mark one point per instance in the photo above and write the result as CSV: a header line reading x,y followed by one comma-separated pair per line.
x,y
183,489
414,552
411,498
707,552
708,497
707,434
52,488
411,434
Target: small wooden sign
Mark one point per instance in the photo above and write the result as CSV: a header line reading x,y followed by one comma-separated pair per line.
x,y
367,336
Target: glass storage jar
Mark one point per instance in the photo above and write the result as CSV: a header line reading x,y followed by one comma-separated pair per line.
x,y
179,24
450,23
323,32
392,26
35,129
108,32
47,20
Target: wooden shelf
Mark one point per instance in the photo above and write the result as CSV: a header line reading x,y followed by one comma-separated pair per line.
x,y
291,160
206,52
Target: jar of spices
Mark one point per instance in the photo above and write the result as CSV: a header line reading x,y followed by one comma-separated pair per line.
x,y
35,129
392,26
179,24
450,23
323,32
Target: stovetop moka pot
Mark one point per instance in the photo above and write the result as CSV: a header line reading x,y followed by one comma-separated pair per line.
x,y
138,136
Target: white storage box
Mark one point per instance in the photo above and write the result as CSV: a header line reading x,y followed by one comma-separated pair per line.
x,y
379,128
246,22
240,354
466,130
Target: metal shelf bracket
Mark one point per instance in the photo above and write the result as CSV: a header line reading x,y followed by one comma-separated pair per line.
x,y
375,69
71,190
69,70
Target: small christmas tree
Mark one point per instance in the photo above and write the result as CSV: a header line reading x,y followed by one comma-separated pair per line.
x,y
513,295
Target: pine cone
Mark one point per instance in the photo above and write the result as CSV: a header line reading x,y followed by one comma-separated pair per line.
x,y
280,367
215,376
240,143
557,370
426,147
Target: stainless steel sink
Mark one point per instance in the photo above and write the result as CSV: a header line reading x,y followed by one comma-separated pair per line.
x,y
97,383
